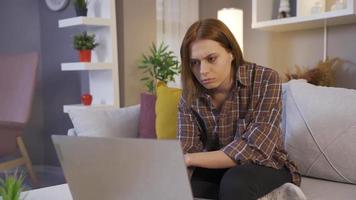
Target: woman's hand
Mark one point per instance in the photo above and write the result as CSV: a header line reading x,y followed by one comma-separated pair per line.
x,y
187,159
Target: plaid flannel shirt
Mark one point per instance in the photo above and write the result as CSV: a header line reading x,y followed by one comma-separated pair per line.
x,y
247,128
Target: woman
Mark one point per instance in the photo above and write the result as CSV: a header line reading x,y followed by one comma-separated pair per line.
x,y
229,117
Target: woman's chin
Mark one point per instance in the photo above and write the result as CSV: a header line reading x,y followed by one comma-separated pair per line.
x,y
209,86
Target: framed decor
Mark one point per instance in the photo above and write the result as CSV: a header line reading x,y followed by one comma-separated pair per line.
x,y
56,5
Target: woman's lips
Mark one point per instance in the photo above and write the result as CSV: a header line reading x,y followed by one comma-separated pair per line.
x,y
208,80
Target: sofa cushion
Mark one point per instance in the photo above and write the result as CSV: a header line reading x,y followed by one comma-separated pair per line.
x,y
147,116
320,127
317,189
167,111
122,122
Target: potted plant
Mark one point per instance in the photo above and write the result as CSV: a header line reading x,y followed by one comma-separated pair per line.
x,y
159,65
323,74
12,186
84,43
81,7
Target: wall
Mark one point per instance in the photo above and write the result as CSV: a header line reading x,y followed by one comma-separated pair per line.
x,y
136,32
59,88
287,49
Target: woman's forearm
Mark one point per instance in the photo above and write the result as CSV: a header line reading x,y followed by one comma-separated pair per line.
x,y
211,159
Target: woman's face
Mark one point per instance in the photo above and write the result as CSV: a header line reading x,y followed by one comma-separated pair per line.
x,y
211,64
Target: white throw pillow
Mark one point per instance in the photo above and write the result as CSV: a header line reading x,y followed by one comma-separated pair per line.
x,y
122,122
320,130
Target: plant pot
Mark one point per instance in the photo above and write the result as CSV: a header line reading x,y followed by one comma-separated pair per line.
x,y
86,99
85,55
80,11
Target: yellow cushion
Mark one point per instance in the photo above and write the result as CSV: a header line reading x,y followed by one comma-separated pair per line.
x,y
167,111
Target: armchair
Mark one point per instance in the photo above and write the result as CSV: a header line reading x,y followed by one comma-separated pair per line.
x,y
17,84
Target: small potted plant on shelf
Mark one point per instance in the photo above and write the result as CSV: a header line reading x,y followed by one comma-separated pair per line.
x,y
159,65
81,7
84,43
12,186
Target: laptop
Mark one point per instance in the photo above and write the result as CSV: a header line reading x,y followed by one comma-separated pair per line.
x,y
123,168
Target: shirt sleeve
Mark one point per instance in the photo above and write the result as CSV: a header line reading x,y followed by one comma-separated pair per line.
x,y
188,132
263,133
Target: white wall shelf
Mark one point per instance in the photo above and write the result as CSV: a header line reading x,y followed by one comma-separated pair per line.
x,y
262,11
75,66
67,108
83,21
103,70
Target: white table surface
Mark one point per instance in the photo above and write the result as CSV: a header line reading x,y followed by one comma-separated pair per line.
x,y
58,192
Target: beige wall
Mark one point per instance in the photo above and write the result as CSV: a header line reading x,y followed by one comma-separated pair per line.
x,y
284,50
136,32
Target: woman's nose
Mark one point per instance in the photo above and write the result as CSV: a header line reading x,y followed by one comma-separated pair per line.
x,y
204,68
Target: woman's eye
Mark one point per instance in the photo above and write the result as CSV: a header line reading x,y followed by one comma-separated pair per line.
x,y
194,63
211,59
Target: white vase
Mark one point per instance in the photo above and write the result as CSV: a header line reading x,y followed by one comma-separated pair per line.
x,y
284,9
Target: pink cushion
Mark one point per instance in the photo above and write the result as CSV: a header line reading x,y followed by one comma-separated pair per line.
x,y
147,116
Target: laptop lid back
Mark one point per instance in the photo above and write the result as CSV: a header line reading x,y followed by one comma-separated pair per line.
x,y
123,168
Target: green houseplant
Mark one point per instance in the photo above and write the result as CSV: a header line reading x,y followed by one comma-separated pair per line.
x,y
81,7
12,186
84,43
160,65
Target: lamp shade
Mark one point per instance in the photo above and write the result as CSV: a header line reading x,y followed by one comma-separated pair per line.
x,y
233,19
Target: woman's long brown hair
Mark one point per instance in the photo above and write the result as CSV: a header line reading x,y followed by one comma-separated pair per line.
x,y
211,29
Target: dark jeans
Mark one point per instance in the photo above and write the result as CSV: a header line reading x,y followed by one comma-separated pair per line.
x,y
242,182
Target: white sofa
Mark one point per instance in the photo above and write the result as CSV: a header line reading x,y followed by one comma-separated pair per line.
x,y
302,138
